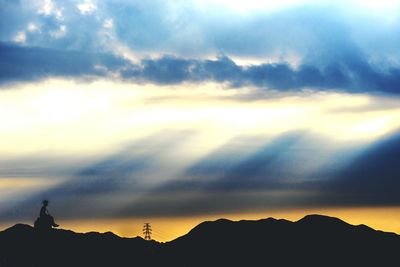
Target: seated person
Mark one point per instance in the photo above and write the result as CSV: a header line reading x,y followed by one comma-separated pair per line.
x,y
45,216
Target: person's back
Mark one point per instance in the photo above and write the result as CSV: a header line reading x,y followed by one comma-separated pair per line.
x,y
43,211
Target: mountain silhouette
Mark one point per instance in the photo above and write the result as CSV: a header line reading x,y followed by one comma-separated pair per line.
x,y
315,240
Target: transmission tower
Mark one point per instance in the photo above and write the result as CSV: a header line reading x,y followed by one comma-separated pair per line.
x,y
147,231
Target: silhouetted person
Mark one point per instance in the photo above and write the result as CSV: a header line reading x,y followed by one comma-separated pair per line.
x,y
45,220
45,214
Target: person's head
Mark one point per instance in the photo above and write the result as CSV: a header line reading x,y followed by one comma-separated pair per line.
x,y
45,202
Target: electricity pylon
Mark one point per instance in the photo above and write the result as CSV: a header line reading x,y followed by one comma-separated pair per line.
x,y
147,231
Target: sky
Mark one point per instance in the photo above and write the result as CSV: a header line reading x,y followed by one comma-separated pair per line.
x,y
173,112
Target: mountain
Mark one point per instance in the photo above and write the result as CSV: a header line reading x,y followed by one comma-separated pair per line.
x,y
22,245
314,240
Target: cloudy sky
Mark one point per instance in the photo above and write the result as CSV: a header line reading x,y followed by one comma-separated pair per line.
x,y
172,112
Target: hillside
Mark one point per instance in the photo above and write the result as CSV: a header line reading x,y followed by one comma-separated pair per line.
x,y
314,240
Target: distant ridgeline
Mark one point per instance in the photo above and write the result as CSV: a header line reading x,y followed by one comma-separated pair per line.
x,y
312,241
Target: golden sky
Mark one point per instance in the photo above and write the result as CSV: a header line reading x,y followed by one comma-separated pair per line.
x,y
52,129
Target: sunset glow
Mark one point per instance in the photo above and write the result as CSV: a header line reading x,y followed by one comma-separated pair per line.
x,y
175,112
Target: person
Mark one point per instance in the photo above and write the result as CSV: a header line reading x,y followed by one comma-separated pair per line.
x,y
45,215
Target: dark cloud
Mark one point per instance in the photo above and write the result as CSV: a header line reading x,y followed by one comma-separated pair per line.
x,y
333,48
19,63
352,73
191,203
372,178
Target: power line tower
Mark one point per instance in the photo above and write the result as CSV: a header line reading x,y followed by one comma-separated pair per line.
x,y
147,231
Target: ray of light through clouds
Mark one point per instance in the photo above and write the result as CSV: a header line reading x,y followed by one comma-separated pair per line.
x,y
182,111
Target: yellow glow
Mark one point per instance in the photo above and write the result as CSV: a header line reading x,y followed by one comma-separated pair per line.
x,y
166,229
58,117
12,183
64,117
12,187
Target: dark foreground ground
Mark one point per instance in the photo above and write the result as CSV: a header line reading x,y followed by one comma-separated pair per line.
x,y
312,241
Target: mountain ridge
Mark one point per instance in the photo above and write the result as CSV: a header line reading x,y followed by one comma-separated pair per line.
x,y
314,240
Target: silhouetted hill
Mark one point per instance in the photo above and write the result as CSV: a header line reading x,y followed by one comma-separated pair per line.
x,y
314,240
22,245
